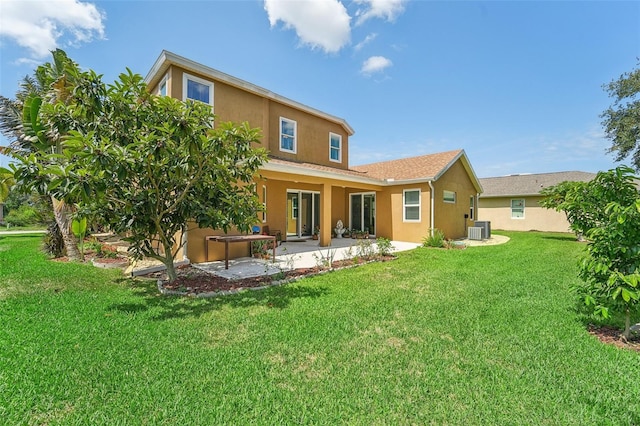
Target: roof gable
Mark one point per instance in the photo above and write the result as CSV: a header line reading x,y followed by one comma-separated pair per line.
x,y
530,184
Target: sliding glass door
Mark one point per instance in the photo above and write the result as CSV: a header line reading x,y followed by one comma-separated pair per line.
x,y
363,212
303,213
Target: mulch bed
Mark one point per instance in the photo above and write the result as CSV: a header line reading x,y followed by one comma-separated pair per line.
x,y
196,281
612,336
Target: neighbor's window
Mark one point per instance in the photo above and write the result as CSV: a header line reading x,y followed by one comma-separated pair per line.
x,y
335,147
449,196
517,208
264,203
197,89
472,201
288,130
411,205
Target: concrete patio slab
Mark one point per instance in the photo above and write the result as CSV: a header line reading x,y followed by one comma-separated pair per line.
x,y
294,255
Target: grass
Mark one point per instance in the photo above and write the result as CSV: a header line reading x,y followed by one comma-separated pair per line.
x,y
487,335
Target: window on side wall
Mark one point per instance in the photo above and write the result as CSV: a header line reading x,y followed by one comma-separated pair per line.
x,y
288,130
517,208
449,197
411,205
472,204
197,89
335,148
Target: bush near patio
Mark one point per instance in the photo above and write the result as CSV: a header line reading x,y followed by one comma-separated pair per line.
x,y
487,335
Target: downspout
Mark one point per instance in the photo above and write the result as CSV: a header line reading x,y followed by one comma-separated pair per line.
x,y
433,205
184,238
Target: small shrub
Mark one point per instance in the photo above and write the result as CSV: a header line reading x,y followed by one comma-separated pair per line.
x,y
24,215
365,249
385,248
435,239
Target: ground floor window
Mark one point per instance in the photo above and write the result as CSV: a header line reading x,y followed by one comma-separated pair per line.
x,y
411,205
472,204
517,208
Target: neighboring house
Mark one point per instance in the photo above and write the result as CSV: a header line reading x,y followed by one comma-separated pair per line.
x,y
307,182
513,202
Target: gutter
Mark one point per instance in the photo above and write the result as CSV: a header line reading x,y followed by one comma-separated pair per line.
x,y
433,206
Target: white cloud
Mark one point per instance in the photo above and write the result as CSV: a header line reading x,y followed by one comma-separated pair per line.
x,y
375,64
368,39
41,26
383,9
321,24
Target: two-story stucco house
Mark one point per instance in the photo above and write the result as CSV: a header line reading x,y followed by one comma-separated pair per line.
x,y
308,183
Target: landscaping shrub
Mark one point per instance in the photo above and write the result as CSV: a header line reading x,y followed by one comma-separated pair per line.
x,y
435,239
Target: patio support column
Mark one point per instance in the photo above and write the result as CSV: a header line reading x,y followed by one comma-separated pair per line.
x,y
325,215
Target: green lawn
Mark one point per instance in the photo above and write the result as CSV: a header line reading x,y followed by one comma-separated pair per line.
x,y
487,335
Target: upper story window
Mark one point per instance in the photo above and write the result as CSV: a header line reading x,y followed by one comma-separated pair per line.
x,y
197,89
517,208
162,87
449,196
335,147
288,135
411,205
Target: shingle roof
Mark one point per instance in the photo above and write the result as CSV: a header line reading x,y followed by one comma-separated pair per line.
x,y
423,166
345,172
530,184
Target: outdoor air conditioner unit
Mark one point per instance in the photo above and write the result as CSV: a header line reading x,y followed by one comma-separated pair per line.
x,y
486,228
475,233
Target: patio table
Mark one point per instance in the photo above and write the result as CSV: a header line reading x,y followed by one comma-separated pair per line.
x,y
237,239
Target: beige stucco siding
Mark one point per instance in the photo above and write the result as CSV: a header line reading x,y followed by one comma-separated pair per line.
x,y
498,211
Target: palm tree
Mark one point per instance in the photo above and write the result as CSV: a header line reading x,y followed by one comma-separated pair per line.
x,y
20,121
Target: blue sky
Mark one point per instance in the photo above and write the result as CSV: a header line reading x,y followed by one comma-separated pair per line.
x,y
516,84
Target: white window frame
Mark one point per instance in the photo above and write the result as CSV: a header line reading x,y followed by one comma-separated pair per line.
x,y
164,82
472,207
523,208
295,135
405,205
332,148
448,199
264,203
186,77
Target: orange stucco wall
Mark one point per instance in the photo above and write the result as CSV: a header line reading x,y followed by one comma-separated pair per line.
x,y
237,105
449,217
498,211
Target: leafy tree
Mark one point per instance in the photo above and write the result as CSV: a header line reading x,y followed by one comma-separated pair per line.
x,y
622,119
147,165
607,210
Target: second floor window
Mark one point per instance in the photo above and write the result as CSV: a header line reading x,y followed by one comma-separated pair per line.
x,y
287,135
335,147
197,89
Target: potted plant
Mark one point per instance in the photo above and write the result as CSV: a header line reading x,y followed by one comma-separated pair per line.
x,y
316,232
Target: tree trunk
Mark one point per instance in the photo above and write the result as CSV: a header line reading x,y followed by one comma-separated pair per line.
x,y
62,214
171,269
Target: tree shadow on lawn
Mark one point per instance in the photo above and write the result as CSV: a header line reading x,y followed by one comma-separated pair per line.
x,y
567,237
171,307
